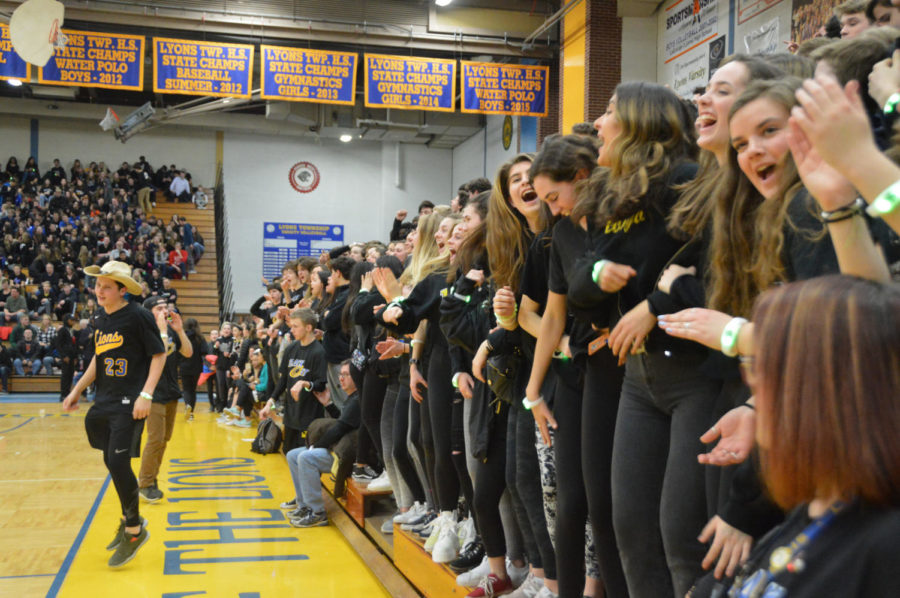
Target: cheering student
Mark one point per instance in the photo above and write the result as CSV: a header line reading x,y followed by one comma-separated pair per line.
x,y
128,359
161,420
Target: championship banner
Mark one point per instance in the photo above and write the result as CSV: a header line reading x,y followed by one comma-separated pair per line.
x,y
202,68
516,89
410,83
300,75
11,64
89,59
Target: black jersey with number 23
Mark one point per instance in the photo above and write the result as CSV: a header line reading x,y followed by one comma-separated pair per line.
x,y
124,343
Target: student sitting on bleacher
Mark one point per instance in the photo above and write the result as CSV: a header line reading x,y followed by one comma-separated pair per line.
x,y
6,365
17,334
307,508
16,304
28,355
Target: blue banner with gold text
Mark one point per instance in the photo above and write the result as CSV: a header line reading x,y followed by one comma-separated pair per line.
x,y
516,89
410,83
302,75
202,68
90,59
11,64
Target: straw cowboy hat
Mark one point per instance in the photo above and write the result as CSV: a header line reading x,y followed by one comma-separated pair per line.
x,y
118,271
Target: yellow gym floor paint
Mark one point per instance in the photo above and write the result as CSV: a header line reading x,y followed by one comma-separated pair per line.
x,y
218,532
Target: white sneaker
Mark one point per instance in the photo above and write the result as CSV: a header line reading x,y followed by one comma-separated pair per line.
x,y
387,527
529,588
470,578
546,593
467,532
517,574
444,521
446,548
380,484
414,512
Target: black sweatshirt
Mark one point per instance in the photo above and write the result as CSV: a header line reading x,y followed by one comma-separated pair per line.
x,y
642,241
302,363
347,421
336,342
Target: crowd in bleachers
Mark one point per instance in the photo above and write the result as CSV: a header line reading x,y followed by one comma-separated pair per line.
x,y
669,296
56,222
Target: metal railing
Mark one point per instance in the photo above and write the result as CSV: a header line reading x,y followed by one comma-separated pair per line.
x,y
223,266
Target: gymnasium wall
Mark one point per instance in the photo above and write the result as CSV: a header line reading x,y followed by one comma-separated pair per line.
x,y
67,139
483,153
362,185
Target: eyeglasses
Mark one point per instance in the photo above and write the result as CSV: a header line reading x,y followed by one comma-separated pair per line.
x,y
344,375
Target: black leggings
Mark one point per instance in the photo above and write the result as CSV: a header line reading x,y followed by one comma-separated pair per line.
x,y
528,488
600,404
222,386
458,449
515,498
440,413
189,388
490,482
370,404
402,459
571,505
211,391
245,398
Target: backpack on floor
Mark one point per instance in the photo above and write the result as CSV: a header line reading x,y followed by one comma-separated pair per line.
x,y
268,437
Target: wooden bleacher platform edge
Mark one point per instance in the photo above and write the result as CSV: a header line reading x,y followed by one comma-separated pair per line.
x,y
409,557
368,550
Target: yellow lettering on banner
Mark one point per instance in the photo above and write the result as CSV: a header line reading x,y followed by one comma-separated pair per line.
x,y
116,55
128,43
211,75
172,60
178,49
184,85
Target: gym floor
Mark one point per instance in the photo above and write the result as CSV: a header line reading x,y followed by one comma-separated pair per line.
x,y
219,530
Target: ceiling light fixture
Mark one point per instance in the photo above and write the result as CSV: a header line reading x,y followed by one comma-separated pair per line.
x,y
442,2
346,137
14,82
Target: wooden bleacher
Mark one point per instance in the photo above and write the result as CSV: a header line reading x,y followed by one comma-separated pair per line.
x,y
198,296
405,551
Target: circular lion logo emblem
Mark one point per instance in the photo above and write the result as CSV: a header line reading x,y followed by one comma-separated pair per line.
x,y
304,177
507,132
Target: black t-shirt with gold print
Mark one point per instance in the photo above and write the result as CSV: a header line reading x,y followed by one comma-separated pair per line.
x,y
124,343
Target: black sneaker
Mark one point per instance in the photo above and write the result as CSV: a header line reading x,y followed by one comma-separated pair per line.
x,y
289,505
363,473
472,555
118,537
151,494
311,519
128,547
299,512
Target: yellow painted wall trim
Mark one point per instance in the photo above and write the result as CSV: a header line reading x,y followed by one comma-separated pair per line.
x,y
573,51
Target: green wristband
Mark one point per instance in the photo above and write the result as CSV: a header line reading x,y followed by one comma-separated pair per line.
x,y
598,270
886,202
730,334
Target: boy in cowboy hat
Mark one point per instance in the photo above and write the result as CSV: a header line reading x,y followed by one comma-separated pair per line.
x,y
129,356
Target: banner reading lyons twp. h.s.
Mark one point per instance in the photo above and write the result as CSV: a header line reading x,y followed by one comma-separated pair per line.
x,y
89,59
302,75
202,68
410,83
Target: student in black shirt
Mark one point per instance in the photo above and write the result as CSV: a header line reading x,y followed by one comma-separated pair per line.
x,y
307,464
67,347
161,420
336,341
303,371
828,426
128,359
658,488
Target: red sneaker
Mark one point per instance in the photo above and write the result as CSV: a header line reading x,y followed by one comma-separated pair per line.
x,y
491,586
